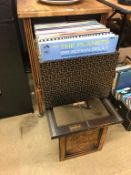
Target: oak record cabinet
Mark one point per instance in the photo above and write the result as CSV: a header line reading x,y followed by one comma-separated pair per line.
x,y
79,134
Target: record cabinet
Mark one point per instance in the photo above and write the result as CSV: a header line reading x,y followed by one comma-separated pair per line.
x,y
78,137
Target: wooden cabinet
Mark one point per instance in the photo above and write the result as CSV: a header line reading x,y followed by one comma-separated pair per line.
x,y
79,137
29,10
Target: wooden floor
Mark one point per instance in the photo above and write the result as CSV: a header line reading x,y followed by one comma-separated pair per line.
x,y
26,149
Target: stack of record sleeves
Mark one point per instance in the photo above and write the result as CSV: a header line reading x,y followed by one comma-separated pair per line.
x,y
124,95
122,85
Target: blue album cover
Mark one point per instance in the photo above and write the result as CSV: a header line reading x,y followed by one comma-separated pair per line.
x,y
124,79
77,47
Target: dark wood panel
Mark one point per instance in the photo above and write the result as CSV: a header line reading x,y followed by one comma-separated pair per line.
x,y
15,96
83,141
77,144
6,12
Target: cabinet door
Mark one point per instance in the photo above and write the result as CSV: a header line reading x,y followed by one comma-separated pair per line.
x,y
14,90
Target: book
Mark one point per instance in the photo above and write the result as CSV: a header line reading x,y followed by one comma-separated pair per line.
x,y
69,24
124,95
122,78
69,29
119,93
70,33
126,99
79,46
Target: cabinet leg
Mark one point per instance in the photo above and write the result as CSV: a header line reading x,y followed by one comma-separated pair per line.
x,y
62,148
34,63
102,137
104,18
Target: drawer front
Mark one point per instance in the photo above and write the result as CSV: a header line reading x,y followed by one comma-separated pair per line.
x,y
83,141
72,80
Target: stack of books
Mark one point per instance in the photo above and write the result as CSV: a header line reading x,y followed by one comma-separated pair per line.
x,y
124,95
68,40
121,88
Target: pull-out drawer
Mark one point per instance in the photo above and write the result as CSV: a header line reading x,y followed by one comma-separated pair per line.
x,y
81,127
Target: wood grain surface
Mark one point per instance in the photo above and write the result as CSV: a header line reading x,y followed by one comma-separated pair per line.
x,y
33,8
81,143
34,64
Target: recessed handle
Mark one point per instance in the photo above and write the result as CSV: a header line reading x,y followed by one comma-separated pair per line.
x,y
0,92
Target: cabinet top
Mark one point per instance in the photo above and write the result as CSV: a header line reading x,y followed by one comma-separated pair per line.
x,y
33,8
